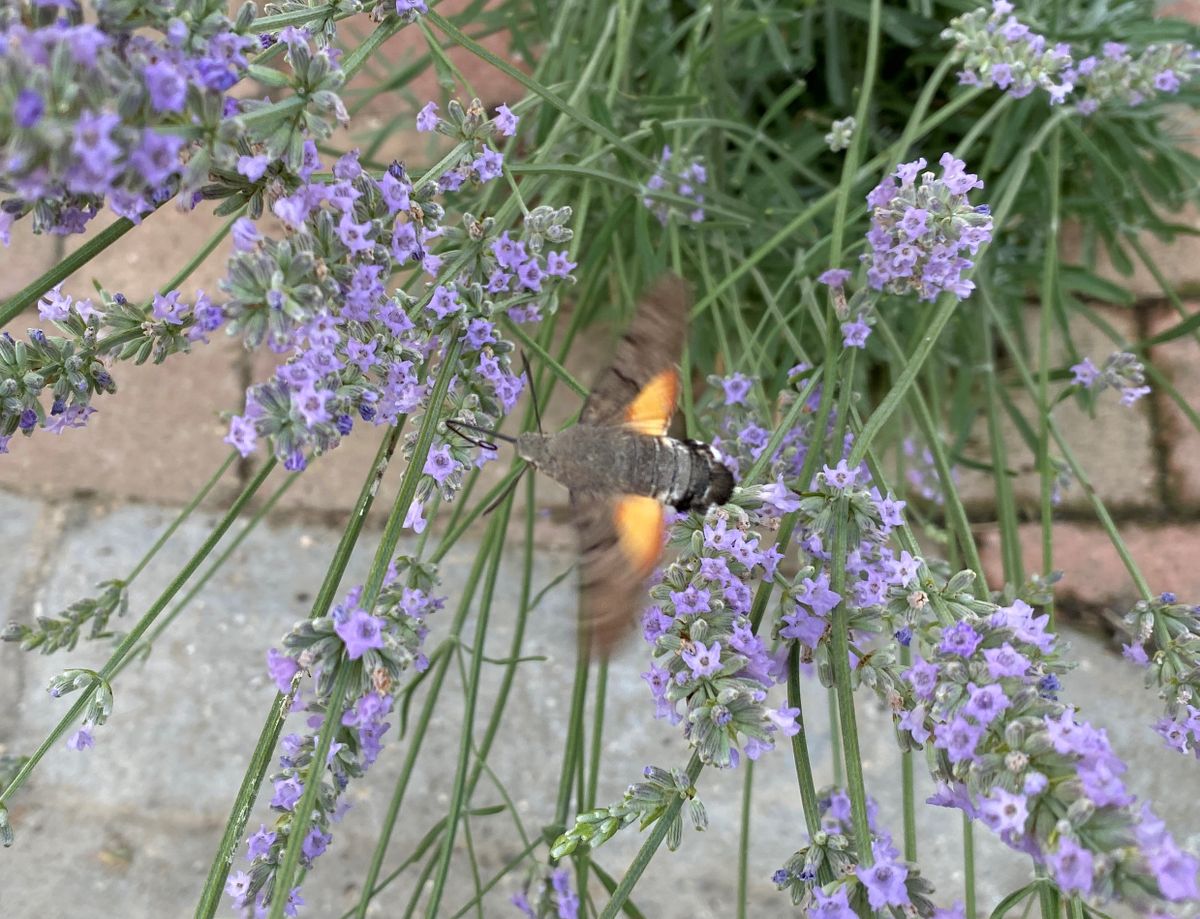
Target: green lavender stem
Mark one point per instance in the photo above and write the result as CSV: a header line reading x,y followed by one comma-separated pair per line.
x,y
302,815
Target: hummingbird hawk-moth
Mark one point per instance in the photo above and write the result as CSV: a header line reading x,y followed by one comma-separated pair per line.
x,y
621,468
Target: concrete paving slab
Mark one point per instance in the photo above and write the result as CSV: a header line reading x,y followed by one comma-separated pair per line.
x,y
78,858
138,816
19,525
210,663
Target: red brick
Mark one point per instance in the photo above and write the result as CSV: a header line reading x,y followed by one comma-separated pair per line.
x,y
159,437
1093,573
1178,361
1115,447
149,255
1188,10
395,111
1179,260
26,258
491,85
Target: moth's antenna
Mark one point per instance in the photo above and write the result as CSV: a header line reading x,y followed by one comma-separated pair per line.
x,y
460,427
537,415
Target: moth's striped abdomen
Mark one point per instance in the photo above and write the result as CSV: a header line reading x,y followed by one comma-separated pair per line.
x,y
708,480
686,474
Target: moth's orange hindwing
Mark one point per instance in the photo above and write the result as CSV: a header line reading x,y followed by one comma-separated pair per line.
x,y
640,529
651,409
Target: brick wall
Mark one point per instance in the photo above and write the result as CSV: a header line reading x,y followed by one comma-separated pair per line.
x,y
159,438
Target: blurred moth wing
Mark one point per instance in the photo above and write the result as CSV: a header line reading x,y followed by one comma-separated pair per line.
x,y
619,511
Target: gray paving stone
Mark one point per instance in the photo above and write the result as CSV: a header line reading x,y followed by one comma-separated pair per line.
x,y
77,857
200,697
138,817
19,519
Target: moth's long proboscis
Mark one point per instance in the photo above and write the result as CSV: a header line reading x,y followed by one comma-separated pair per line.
x,y
457,425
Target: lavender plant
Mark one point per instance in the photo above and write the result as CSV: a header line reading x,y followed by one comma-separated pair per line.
x,y
856,314
1174,629
1121,371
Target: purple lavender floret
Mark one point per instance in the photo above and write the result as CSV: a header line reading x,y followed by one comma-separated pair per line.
x,y
1001,669
997,49
887,882
685,179
164,76
920,227
355,348
382,645
706,655
1174,669
1122,371
50,383
1117,77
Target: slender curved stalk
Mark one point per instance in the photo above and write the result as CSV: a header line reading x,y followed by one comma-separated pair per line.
x,y
743,874
1049,298
459,793
907,784
968,838
181,517
573,748
800,754
839,655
